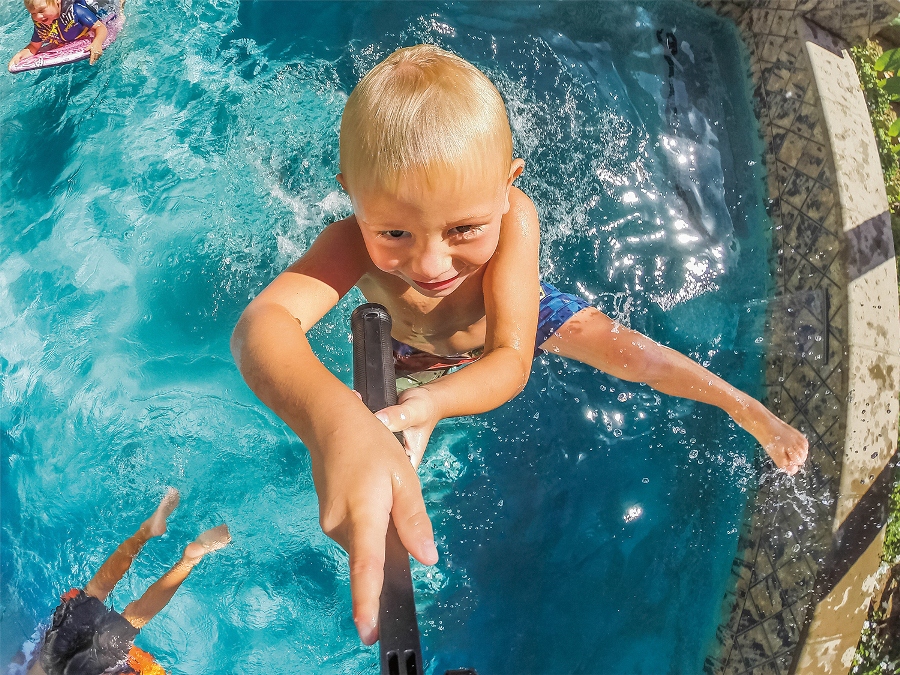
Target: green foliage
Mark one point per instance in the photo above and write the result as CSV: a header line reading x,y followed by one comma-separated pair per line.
x,y
877,653
878,93
891,86
891,554
890,60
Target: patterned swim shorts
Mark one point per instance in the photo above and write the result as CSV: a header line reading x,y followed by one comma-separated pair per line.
x,y
415,367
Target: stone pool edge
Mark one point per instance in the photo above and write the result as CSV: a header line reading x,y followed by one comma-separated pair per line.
x,y
809,550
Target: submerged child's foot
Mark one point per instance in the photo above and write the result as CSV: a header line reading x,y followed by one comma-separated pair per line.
x,y
155,525
207,542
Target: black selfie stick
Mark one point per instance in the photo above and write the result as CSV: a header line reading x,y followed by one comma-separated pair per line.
x,y
373,378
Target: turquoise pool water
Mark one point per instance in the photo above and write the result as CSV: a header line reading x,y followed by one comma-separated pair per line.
x,y
586,527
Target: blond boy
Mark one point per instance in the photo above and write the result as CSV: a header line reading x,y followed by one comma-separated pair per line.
x,y
59,21
442,238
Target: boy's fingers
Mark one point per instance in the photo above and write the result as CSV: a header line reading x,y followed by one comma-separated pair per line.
x,y
366,549
413,524
396,417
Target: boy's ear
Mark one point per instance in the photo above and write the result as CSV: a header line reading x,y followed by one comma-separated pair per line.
x,y
340,179
515,170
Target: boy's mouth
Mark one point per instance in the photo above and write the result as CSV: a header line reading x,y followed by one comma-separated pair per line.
x,y
436,285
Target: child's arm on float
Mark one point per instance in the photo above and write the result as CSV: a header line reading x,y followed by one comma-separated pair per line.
x,y
593,338
86,17
100,33
360,471
32,49
511,292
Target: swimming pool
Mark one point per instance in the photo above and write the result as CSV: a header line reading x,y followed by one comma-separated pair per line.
x,y
587,526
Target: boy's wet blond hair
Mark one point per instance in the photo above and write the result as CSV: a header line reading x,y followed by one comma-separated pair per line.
x,y
32,5
424,111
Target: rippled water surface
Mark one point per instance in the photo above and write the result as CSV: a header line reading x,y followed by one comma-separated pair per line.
x,y
586,527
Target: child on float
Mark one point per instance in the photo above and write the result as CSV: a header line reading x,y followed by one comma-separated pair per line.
x,y
441,237
87,638
59,21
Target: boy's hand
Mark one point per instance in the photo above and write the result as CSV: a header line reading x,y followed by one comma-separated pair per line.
x,y
360,488
19,56
416,416
96,51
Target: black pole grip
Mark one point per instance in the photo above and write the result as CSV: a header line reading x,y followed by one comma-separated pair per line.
x,y
373,378
373,358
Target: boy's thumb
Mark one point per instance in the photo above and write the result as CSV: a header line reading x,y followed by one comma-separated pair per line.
x,y
394,418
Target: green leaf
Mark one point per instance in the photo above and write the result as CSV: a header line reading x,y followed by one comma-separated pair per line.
x,y
890,60
894,129
891,86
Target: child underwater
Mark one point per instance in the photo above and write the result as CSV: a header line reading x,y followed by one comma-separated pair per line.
x,y
442,238
87,638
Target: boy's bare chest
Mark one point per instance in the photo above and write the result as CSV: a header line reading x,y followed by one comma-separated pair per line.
x,y
449,325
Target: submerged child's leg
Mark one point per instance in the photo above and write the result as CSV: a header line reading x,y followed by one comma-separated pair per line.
x,y
593,338
118,563
158,595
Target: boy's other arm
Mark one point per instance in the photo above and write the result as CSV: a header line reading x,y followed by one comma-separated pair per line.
x,y
511,295
32,49
100,33
361,473
593,338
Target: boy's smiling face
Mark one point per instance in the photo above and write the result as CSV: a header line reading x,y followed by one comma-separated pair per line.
x,y
45,13
433,236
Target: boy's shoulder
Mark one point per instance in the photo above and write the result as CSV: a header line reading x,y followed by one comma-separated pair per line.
x,y
341,236
520,203
338,249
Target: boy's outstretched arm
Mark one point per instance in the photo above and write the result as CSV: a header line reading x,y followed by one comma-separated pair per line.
x,y
30,50
593,338
361,473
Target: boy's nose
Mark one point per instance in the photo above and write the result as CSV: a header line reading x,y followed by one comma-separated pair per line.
x,y
432,262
